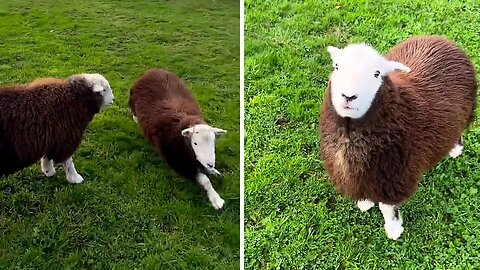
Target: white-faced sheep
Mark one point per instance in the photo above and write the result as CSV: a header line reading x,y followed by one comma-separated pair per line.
x,y
386,120
46,120
171,120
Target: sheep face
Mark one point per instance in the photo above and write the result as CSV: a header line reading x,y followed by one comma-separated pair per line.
x,y
357,76
100,85
202,139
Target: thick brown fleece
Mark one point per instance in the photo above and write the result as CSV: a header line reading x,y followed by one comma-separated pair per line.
x,y
45,118
414,121
164,107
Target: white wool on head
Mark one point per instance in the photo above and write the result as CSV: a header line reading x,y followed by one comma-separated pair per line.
x,y
202,139
100,84
357,77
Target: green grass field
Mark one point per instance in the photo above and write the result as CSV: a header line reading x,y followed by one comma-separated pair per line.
x,y
293,218
132,211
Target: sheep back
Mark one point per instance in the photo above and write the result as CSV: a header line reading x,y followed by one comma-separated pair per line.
x,y
164,107
412,124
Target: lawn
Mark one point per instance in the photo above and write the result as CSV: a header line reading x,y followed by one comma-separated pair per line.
x,y
294,219
132,211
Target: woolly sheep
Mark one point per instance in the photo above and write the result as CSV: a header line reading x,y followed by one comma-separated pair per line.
x,y
46,120
386,120
171,120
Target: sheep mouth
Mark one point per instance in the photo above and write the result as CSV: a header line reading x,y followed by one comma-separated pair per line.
x,y
106,105
346,107
206,169
212,171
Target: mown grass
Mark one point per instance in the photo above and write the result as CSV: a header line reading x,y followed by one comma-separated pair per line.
x,y
293,218
132,211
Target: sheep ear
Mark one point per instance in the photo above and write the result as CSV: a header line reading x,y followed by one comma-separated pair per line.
x,y
334,52
188,132
218,131
78,83
97,88
393,65
74,79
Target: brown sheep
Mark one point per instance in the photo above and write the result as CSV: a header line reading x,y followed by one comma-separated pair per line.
x,y
381,129
171,120
46,120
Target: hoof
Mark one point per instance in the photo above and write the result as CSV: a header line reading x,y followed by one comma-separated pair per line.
x,y
456,151
75,178
393,230
49,172
365,205
217,202
47,167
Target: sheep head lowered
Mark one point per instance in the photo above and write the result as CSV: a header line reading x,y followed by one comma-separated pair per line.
x,y
99,85
357,76
202,140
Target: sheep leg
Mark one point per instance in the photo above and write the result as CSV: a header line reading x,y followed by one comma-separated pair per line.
x,y
457,149
134,117
213,196
47,166
365,205
72,175
393,220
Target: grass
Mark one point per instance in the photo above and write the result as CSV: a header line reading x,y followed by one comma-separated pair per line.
x,y
293,218
132,211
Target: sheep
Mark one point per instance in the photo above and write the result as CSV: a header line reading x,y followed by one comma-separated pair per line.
x,y
46,119
386,120
171,120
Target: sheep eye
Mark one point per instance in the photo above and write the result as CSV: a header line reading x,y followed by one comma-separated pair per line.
x,y
377,73
195,143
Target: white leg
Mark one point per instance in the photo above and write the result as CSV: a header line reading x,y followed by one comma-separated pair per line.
x,y
456,151
47,167
213,196
365,205
72,175
393,220
135,118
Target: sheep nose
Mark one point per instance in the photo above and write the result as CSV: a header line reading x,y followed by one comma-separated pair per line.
x,y
349,98
210,165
